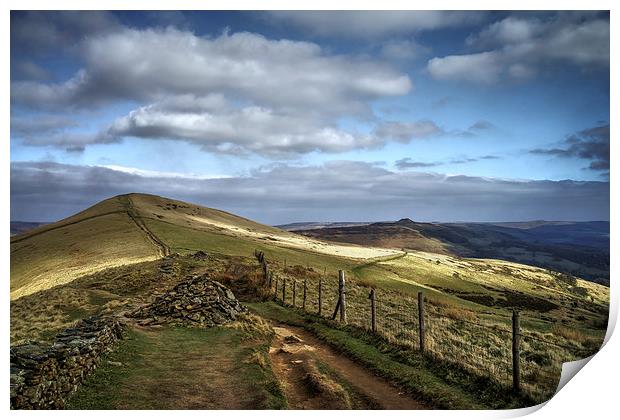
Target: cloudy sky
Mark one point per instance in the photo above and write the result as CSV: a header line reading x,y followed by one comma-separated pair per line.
x,y
314,116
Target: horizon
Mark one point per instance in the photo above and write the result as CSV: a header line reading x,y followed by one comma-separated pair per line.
x,y
284,116
328,221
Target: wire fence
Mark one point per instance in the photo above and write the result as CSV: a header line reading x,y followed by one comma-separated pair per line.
x,y
473,341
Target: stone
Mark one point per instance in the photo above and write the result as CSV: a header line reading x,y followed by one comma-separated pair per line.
x,y
42,376
291,339
196,301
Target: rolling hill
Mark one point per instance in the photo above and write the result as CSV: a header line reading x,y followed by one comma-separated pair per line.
x,y
577,248
129,249
133,228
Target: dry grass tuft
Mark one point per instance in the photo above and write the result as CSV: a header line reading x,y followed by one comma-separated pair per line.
x,y
331,392
459,314
253,326
569,334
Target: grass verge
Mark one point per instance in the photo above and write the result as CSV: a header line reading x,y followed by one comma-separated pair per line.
x,y
185,368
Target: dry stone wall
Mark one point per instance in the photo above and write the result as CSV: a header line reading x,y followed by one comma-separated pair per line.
x,y
43,375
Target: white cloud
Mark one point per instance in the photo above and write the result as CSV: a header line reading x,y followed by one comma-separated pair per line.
x,y
234,93
285,193
402,50
373,24
483,68
159,174
511,30
407,131
517,47
155,63
228,129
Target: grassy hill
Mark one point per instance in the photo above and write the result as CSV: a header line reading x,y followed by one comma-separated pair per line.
x,y
132,228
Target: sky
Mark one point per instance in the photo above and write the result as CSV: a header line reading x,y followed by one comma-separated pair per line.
x,y
314,116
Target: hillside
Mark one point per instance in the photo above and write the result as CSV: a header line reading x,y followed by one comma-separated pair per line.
x,y
130,249
132,228
577,248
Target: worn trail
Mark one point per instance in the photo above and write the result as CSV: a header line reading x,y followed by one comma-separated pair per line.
x,y
164,250
289,355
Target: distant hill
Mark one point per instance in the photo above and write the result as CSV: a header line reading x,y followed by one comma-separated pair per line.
x,y
577,248
21,227
292,227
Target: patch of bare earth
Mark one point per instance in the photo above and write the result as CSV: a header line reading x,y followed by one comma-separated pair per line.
x,y
294,355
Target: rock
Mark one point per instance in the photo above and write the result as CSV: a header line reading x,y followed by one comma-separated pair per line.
x,y
111,363
291,339
43,376
196,301
200,255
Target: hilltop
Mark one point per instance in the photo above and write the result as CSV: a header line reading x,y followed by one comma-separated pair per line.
x,y
133,228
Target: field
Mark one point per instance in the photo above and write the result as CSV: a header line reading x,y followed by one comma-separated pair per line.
x,y
82,244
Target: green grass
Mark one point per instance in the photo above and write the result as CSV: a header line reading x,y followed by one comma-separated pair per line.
x,y
439,385
186,239
183,368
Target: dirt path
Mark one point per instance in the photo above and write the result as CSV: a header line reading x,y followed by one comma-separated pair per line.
x,y
164,250
294,347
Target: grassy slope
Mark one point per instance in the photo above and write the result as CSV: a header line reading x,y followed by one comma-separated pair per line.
x,y
58,253
184,368
579,306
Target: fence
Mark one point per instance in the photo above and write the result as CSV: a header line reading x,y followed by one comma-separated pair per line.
x,y
527,361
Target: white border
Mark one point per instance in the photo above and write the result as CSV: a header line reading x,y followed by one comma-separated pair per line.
x,y
592,395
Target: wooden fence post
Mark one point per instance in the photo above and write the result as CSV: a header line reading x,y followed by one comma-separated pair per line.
x,y
284,291
270,280
304,304
342,293
294,291
516,337
373,311
320,295
275,291
421,321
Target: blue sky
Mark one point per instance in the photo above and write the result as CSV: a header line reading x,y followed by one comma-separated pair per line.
x,y
174,102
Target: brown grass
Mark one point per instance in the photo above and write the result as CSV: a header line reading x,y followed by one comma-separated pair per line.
x,y
331,393
569,334
459,314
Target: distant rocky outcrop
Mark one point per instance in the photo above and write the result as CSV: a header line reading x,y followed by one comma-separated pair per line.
x,y
197,301
43,375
